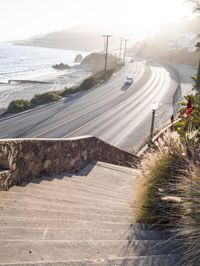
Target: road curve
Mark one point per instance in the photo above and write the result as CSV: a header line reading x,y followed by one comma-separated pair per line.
x,y
116,113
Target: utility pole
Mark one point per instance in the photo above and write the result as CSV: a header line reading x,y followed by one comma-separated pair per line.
x,y
120,48
125,47
106,55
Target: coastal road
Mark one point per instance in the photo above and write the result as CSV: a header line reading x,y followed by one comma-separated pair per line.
x,y
114,112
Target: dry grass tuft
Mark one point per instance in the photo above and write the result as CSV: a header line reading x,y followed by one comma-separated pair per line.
x,y
159,168
169,193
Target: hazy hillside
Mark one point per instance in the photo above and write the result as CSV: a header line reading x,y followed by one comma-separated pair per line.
x,y
158,46
186,26
83,37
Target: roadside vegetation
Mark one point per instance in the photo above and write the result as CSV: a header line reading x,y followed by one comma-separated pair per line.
x,y
21,105
169,191
18,106
46,97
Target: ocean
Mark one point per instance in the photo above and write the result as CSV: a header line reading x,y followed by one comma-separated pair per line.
x,y
25,62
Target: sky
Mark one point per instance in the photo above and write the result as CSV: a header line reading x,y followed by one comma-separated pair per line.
x,y
21,19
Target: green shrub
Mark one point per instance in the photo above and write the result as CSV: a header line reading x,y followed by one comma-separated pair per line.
x,y
98,77
68,91
90,82
46,97
18,106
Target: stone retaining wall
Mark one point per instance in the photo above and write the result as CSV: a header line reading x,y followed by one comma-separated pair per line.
x,y
25,159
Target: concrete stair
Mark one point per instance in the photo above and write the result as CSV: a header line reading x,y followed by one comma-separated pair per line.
x,y
83,219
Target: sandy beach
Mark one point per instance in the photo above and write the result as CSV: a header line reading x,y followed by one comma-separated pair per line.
x,y
55,80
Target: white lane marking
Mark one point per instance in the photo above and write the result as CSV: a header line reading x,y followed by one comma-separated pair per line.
x,y
140,117
151,87
134,96
93,107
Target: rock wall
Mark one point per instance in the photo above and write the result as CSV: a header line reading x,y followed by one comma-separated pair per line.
x,y
25,159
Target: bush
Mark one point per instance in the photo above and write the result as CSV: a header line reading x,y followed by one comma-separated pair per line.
x,y
188,229
18,106
90,82
95,79
169,193
68,91
159,169
46,97
191,122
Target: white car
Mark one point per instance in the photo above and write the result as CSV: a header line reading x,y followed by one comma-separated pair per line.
x,y
129,80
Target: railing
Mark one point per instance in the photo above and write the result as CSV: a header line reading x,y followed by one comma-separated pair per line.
x,y
158,135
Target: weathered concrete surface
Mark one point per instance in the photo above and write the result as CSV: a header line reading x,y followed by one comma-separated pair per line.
x,y
80,219
26,159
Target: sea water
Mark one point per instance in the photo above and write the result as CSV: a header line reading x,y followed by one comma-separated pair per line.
x,y
25,62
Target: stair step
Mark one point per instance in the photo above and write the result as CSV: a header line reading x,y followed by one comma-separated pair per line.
x,y
108,166
69,201
89,182
65,234
35,251
92,183
37,203
62,189
121,194
101,182
153,260
60,223
55,193
57,213
83,219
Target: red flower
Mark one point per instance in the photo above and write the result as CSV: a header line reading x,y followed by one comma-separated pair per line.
x,y
189,107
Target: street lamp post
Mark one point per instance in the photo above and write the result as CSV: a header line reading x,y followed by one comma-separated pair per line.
x,y
154,108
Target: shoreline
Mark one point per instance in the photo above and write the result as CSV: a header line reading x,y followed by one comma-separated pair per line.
x,y
45,82
53,47
27,62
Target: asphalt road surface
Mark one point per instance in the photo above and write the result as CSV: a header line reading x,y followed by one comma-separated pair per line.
x,y
115,112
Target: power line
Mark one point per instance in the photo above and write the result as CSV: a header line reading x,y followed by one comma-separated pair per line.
x,y
106,56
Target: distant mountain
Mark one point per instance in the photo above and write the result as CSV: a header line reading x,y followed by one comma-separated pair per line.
x,y
82,38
